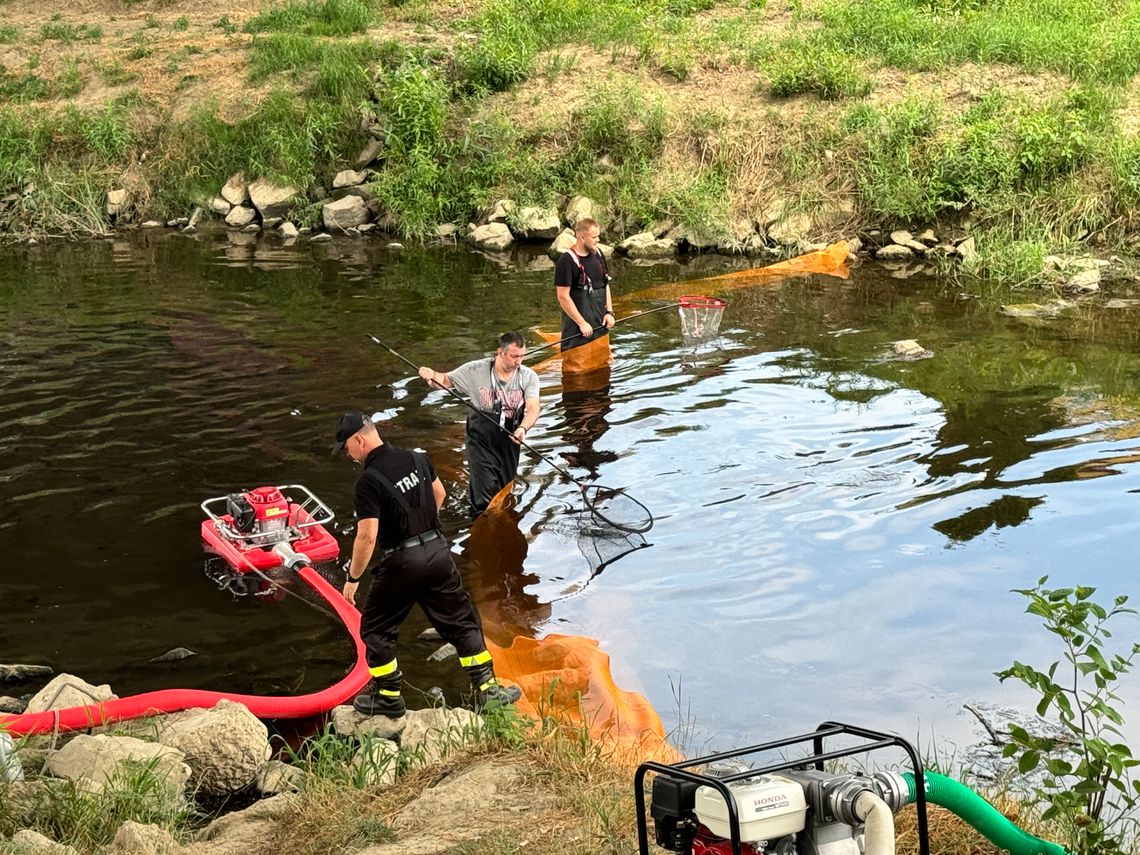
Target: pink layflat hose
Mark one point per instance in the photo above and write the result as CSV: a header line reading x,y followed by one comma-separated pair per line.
x,y
174,700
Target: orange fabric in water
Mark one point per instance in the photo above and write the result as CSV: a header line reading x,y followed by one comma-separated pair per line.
x,y
831,261
567,678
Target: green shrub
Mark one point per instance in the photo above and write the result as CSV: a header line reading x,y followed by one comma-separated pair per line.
x,y
69,83
412,102
498,60
1052,141
181,24
226,25
114,74
9,35
805,67
621,124
1080,689
1126,171
108,131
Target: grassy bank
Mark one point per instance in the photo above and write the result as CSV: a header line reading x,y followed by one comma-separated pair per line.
x,y
1013,121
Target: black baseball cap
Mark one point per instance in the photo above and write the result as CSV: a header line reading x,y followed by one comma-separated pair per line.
x,y
349,424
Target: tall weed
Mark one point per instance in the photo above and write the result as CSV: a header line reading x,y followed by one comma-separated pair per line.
x,y
66,812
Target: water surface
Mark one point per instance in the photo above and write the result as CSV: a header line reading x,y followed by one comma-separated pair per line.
x,y
837,531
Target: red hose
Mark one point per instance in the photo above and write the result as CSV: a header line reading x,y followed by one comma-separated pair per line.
x,y
174,700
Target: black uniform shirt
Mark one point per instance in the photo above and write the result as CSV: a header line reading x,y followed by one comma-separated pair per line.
x,y
373,500
589,300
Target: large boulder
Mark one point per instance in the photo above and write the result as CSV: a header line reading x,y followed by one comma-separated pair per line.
x,y
276,777
579,208
894,252
134,838
346,213
500,210
244,831
791,229
347,722
645,245
240,216
28,842
235,190
271,200
94,761
117,202
67,690
494,236
537,224
348,178
225,746
562,244
432,734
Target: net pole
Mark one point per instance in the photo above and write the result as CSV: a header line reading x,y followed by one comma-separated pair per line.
x,y
475,409
617,321
583,488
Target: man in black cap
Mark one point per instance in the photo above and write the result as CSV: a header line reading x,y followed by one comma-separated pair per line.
x,y
397,500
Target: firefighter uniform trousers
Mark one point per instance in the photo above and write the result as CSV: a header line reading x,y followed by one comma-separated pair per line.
x,y
422,575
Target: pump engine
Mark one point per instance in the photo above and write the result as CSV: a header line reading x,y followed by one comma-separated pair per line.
x,y
267,527
788,808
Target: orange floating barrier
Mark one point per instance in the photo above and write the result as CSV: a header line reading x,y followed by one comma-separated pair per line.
x,y
567,678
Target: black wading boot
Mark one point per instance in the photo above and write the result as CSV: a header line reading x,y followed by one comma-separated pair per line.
x,y
382,697
489,692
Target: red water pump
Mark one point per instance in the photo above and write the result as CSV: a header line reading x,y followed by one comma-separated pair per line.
x,y
269,527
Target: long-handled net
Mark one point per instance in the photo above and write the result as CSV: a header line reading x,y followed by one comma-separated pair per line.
x,y
613,506
700,320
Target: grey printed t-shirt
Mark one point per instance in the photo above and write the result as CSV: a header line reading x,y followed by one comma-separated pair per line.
x,y
477,380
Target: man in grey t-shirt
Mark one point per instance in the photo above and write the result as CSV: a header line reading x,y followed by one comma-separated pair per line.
x,y
506,394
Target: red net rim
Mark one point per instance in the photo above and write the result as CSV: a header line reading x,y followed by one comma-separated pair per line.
x,y
698,302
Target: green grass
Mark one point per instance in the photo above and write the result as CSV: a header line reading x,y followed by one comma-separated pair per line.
x,y
9,35
800,67
67,33
1085,39
1031,173
65,812
113,74
337,71
315,18
287,139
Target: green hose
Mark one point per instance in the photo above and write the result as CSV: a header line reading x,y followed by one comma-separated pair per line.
x,y
981,815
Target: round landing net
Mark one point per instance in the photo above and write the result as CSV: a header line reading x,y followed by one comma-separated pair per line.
x,y
617,508
700,318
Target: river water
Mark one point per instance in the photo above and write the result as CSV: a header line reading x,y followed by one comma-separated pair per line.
x,y
837,531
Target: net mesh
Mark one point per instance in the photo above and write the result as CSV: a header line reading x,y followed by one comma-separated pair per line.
x,y
700,318
617,508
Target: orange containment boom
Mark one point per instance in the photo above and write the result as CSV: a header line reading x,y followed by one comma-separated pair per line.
x,y
831,261
567,678
595,356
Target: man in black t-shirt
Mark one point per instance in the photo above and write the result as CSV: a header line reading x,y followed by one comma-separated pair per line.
x,y
583,285
397,501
